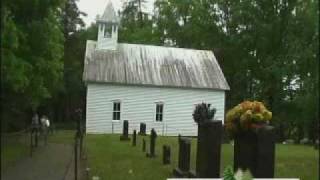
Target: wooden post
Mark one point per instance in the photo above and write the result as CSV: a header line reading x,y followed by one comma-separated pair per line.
x,y
36,137
76,158
31,140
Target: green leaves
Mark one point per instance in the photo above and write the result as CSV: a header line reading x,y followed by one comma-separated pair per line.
x,y
228,173
203,113
32,49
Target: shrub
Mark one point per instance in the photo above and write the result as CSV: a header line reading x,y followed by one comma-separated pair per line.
x,y
203,113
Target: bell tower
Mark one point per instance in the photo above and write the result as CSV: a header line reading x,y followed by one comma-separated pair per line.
x,y
108,25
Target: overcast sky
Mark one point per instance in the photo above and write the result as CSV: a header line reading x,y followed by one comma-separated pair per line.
x,y
95,7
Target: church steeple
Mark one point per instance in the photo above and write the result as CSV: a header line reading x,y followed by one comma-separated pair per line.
x,y
108,25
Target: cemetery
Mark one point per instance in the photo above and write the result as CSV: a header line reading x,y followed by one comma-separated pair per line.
x,y
204,156
159,89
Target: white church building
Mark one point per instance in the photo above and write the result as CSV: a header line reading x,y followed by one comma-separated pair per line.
x,y
156,85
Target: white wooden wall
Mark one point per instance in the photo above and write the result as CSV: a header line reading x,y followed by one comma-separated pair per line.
x,y
138,104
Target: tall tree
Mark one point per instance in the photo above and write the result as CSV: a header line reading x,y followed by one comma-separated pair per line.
x,y
32,49
136,25
72,96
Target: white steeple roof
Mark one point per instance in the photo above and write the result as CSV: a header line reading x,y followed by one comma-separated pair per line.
x,y
109,15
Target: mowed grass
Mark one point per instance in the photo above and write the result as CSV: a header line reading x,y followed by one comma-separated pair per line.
x,y
110,158
62,137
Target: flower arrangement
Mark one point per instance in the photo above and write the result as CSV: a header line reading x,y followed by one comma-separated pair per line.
x,y
247,116
203,113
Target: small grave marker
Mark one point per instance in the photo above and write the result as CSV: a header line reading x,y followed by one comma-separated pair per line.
x,y
166,154
153,137
184,157
142,129
134,138
143,145
125,135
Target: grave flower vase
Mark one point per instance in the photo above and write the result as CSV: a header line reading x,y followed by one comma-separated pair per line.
x,y
255,151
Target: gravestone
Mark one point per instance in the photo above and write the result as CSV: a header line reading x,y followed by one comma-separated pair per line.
x,y
142,129
166,154
208,150
153,137
125,135
184,158
134,138
256,151
143,145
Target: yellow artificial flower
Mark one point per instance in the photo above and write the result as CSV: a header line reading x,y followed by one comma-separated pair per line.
x,y
246,105
257,117
267,115
258,107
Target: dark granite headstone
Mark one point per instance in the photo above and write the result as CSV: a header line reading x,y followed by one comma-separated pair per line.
x,y
256,151
166,154
134,138
184,158
125,135
153,137
143,145
208,150
142,129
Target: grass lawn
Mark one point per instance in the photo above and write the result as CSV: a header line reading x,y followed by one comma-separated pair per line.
x,y
62,137
110,158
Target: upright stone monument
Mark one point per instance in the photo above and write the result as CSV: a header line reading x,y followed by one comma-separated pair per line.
x,y
142,129
153,137
184,158
166,154
125,135
143,145
208,150
134,138
256,151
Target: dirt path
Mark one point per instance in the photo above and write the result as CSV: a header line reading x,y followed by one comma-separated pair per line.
x,y
51,162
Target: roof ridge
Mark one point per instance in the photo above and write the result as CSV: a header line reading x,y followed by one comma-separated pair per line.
x,y
152,45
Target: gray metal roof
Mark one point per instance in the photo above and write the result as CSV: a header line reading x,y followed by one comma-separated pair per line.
x,y
153,65
109,15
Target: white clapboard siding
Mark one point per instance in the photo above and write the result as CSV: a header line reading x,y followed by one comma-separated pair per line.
x,y
138,104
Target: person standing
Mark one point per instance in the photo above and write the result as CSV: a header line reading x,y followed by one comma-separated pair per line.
x,y
35,128
44,128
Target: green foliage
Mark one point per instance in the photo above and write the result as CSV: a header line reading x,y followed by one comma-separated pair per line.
x,y
259,45
32,50
268,50
203,113
34,47
136,27
228,173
